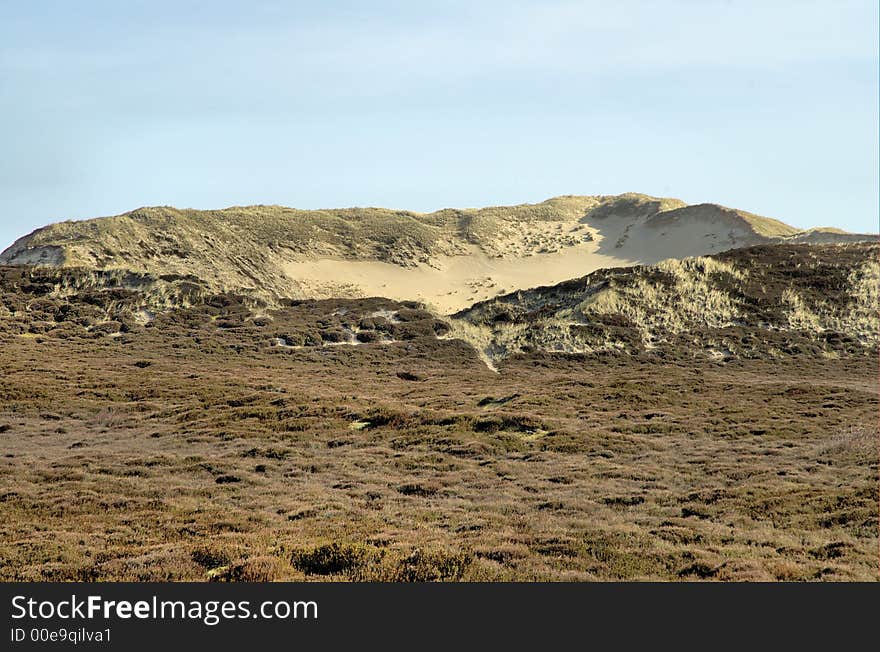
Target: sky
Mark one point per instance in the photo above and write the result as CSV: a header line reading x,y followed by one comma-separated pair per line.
x,y
769,105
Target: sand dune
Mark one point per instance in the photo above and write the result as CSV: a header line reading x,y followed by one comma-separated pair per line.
x,y
448,259
522,256
449,283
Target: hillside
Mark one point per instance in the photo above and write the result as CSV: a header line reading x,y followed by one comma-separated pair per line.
x,y
753,302
756,302
448,259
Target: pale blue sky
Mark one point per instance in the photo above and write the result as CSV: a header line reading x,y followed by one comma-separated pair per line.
x,y
770,106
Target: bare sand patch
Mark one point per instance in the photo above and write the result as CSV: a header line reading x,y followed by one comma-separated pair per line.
x,y
448,283
522,256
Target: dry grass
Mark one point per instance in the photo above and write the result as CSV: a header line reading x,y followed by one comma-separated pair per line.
x,y
152,458
226,441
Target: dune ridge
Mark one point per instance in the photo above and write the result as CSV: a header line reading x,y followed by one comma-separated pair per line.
x,y
448,259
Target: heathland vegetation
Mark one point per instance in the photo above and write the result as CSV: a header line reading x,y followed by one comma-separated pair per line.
x,y
712,418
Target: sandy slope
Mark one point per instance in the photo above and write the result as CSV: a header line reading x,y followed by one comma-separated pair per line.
x,y
525,256
449,283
